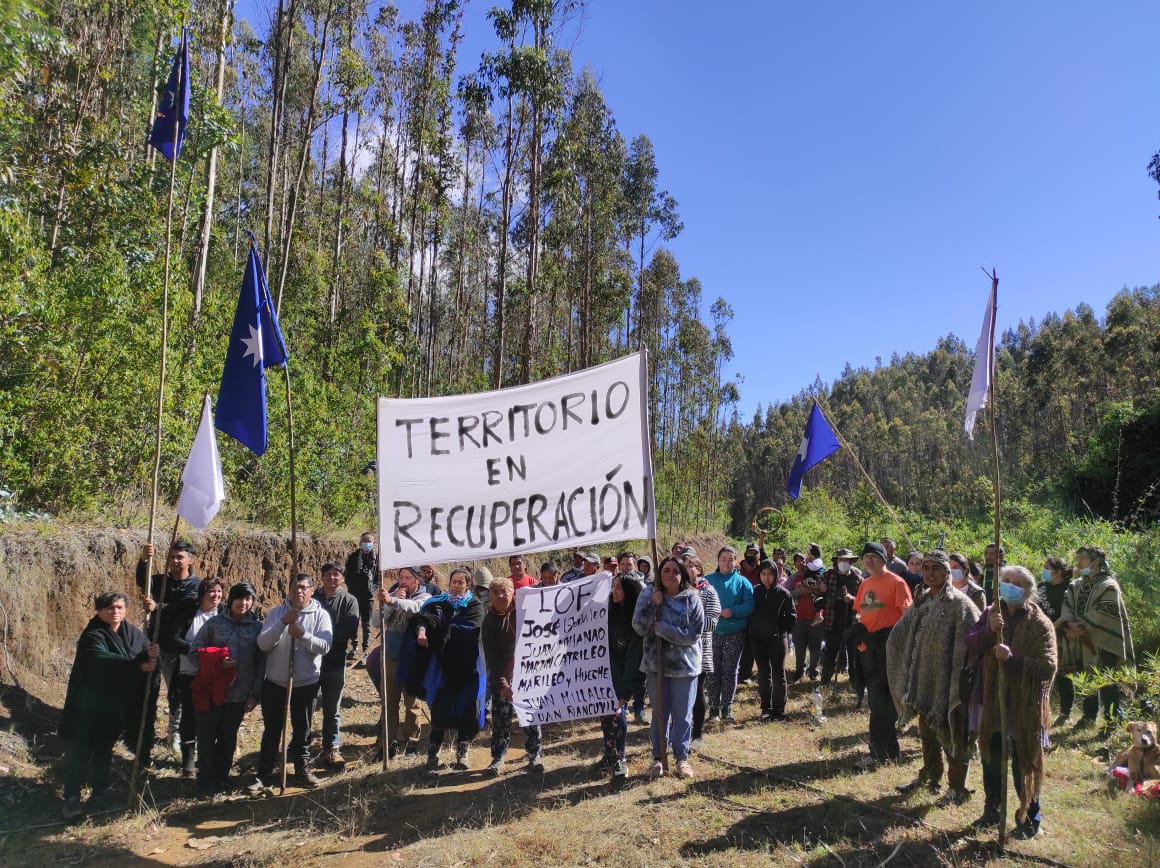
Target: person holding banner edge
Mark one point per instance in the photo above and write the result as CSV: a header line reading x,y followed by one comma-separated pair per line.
x,y
499,651
625,652
673,614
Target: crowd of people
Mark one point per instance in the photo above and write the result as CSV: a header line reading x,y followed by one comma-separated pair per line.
x,y
932,638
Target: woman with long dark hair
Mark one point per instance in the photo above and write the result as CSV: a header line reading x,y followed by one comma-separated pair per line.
x,y
625,650
672,613
442,665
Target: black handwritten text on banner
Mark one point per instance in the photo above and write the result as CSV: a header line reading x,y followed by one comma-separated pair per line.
x,y
562,670
561,462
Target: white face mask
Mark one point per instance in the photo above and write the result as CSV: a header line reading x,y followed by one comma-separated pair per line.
x,y
843,567
815,564
957,575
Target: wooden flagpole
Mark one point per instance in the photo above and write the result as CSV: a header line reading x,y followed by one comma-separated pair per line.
x,y
134,793
1001,679
293,487
901,530
165,302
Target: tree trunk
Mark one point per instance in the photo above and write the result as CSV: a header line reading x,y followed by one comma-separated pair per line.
x,y
219,87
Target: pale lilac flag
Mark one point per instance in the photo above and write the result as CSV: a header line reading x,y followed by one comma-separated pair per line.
x,y
981,379
202,487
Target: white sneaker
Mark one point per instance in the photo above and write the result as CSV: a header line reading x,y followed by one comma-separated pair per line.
x,y
685,770
657,769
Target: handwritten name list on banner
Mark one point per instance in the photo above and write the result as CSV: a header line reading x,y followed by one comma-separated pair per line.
x,y
561,667
561,462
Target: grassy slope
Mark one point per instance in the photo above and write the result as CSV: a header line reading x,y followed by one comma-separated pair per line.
x,y
786,793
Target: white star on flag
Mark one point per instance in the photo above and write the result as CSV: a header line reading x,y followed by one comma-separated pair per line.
x,y
805,448
254,345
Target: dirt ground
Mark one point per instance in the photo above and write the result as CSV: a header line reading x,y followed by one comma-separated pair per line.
x,y
784,793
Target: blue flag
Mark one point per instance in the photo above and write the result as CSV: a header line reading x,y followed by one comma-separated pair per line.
x,y
818,444
173,111
255,344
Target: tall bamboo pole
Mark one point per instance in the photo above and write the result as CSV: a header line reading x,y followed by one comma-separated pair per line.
x,y
293,487
1001,679
134,793
165,306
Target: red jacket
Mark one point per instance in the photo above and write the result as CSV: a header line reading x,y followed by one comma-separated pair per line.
x,y
212,682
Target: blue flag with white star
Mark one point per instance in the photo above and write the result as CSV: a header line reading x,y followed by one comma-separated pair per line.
x,y
168,130
818,444
255,344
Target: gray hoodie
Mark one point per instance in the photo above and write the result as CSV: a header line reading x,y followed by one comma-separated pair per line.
x,y
240,635
315,642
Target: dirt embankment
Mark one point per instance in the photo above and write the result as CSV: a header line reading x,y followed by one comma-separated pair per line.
x,y
50,574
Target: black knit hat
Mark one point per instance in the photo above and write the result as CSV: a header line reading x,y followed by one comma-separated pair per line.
x,y
242,589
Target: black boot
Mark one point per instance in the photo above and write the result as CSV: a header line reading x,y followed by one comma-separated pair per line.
x,y
305,776
188,759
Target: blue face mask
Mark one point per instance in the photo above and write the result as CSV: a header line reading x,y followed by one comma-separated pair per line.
x,y
1046,575
1086,571
1010,594
367,547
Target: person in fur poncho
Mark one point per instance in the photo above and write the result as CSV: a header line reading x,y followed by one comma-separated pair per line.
x,y
1013,633
927,663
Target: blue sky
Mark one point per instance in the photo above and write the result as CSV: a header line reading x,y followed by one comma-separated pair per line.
x,y
844,169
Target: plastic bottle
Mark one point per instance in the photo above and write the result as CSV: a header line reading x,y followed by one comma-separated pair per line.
x,y
817,700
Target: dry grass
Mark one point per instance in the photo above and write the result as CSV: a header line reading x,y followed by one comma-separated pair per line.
x,y
786,794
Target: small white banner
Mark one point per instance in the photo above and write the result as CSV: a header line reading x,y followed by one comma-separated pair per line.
x,y
562,670
558,463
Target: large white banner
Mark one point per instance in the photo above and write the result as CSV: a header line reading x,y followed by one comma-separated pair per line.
x,y
562,670
563,462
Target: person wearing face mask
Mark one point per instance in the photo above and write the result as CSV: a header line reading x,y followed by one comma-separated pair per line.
x,y
926,658
1095,618
362,577
1057,576
962,581
808,630
235,629
1013,633
839,587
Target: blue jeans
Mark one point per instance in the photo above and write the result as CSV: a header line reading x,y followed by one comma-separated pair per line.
x,y
332,683
677,717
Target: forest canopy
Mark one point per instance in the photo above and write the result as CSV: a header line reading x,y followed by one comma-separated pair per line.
x,y
435,224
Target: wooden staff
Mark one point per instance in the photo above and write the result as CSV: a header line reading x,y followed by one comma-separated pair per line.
x,y
383,680
293,487
286,713
1001,671
659,711
165,307
154,633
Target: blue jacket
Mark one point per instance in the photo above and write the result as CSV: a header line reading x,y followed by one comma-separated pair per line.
x,y
735,593
678,620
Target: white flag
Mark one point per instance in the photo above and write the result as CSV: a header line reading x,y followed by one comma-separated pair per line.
x,y
981,379
202,487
